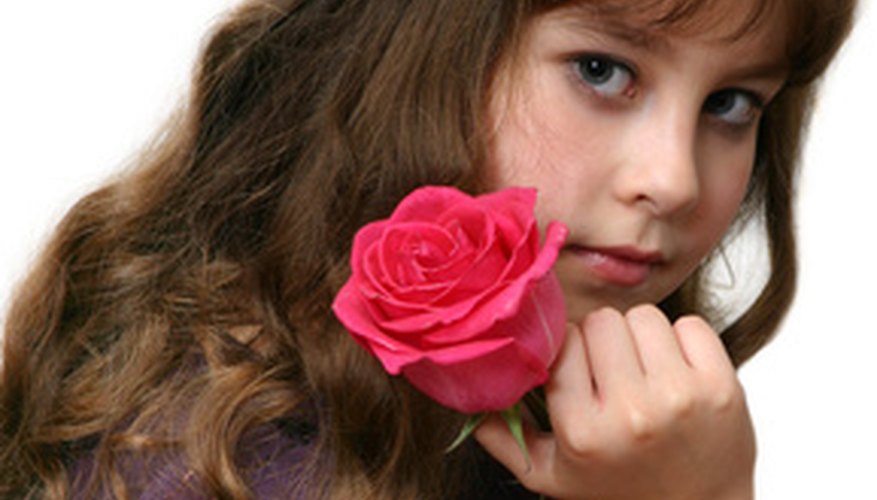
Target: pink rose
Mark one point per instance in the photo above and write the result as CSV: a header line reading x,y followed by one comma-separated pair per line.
x,y
453,292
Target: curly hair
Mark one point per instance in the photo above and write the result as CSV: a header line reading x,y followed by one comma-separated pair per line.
x,y
186,303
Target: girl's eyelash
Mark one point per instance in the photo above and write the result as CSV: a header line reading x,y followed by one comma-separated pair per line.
x,y
753,97
610,78
735,107
605,75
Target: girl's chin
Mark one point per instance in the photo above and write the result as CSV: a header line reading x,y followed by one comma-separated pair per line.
x,y
578,306
577,309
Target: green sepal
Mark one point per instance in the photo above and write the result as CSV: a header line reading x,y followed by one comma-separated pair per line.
x,y
513,420
469,427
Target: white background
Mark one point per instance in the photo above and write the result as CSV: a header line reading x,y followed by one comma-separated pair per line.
x,y
83,84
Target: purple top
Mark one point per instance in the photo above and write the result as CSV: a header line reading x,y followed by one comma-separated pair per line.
x,y
275,456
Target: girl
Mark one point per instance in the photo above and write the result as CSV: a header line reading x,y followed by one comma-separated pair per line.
x,y
175,338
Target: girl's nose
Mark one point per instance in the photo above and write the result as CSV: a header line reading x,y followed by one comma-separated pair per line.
x,y
659,168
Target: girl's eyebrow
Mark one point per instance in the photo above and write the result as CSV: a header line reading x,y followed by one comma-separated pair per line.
x,y
588,21
769,71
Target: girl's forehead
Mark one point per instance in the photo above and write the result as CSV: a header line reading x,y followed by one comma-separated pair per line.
x,y
743,37
719,19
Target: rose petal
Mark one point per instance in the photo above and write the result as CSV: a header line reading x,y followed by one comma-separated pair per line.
x,y
354,314
364,240
486,268
452,289
462,319
424,203
478,376
456,263
515,204
540,325
422,317
523,253
407,249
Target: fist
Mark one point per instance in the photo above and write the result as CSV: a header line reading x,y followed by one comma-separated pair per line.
x,y
640,409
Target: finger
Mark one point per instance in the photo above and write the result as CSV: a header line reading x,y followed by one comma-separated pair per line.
x,y
612,353
701,345
569,392
495,437
656,341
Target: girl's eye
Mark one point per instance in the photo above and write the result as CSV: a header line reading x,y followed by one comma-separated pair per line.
x,y
607,77
736,107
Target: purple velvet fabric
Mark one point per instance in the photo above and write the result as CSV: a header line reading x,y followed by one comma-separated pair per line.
x,y
273,460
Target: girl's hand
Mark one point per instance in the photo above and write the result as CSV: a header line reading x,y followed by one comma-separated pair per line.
x,y
640,409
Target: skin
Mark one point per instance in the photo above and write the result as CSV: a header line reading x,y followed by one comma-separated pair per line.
x,y
643,146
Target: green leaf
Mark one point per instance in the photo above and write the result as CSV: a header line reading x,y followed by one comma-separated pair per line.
x,y
512,417
468,428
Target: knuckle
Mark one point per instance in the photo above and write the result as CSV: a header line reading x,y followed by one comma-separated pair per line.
x,y
640,425
643,311
577,441
728,396
680,403
697,328
650,308
694,324
534,482
602,316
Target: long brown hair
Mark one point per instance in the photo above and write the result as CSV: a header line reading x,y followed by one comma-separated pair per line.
x,y
186,304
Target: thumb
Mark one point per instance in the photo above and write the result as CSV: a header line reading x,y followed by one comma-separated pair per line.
x,y
495,437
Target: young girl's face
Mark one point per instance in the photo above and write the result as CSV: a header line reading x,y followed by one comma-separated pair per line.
x,y
641,143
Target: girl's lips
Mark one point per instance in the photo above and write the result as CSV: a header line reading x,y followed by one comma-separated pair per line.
x,y
622,266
